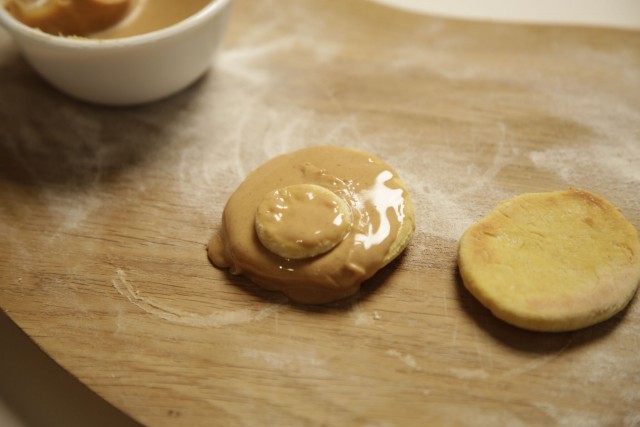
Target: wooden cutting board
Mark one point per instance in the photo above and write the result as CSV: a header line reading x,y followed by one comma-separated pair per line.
x,y
105,213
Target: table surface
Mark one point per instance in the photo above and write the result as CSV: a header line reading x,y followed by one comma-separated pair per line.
x,y
106,212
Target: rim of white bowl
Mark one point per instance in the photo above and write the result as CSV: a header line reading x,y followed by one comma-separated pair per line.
x,y
12,24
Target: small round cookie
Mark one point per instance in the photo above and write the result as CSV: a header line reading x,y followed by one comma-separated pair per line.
x,y
553,262
315,223
302,221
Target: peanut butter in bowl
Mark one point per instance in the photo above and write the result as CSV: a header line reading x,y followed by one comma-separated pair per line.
x,y
105,51
102,19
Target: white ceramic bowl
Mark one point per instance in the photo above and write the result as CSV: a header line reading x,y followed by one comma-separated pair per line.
x,y
125,71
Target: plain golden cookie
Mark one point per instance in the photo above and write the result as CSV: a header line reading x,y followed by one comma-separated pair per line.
x,y
555,261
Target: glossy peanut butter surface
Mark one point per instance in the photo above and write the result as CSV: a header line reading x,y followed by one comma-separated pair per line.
x,y
382,217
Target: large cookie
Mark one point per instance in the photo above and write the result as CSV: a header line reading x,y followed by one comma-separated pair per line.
x,y
554,261
284,227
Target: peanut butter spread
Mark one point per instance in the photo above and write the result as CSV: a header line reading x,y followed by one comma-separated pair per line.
x,y
315,223
102,18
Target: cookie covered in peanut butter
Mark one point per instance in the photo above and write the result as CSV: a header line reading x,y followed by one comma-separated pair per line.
x,y
315,223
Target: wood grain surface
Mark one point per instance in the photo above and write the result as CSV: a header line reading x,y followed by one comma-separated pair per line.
x,y
105,214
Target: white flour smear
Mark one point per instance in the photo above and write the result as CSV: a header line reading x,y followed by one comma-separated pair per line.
x,y
406,359
174,315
